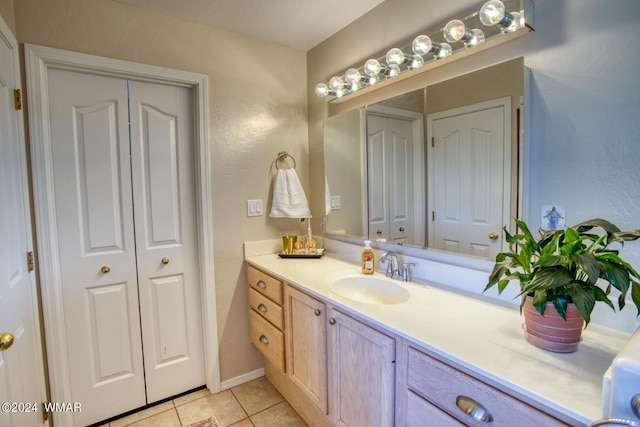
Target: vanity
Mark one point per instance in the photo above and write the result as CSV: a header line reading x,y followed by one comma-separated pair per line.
x,y
421,355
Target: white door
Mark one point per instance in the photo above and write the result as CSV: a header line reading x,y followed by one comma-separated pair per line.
x,y
390,178
126,231
166,238
468,178
21,364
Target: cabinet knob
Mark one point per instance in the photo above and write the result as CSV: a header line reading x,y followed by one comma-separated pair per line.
x,y
474,409
105,269
317,312
262,308
261,284
264,340
164,260
332,321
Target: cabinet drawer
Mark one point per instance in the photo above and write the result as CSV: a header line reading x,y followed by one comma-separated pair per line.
x,y
266,308
268,339
265,284
443,386
420,411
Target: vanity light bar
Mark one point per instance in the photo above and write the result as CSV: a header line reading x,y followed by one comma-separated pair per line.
x,y
496,22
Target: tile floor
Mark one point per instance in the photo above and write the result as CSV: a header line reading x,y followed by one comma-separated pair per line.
x,y
253,404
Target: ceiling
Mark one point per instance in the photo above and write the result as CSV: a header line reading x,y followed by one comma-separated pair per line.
x,y
300,24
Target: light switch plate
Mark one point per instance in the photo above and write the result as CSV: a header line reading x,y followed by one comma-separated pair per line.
x,y
335,203
254,207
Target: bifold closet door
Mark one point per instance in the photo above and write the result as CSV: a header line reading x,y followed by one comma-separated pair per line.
x,y
123,166
162,159
94,222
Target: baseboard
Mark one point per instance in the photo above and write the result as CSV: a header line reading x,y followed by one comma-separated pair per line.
x,y
241,379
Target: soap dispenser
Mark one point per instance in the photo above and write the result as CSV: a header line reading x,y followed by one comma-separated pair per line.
x,y
367,258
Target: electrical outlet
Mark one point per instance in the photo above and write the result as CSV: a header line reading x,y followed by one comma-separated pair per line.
x,y
254,207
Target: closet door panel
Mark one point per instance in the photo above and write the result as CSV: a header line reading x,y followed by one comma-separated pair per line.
x,y
89,147
164,198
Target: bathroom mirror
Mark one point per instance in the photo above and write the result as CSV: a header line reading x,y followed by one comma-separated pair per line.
x,y
437,167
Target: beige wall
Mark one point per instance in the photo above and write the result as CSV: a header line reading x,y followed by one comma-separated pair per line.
x,y
257,107
6,11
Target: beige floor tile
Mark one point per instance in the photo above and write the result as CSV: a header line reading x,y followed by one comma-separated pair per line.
x,y
163,419
137,416
257,395
222,406
244,423
191,397
281,415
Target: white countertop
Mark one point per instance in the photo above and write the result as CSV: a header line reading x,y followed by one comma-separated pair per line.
x,y
477,336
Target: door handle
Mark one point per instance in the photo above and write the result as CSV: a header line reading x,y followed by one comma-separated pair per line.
x,y
105,269
6,341
493,235
165,260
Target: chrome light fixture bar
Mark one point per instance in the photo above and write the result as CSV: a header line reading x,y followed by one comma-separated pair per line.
x,y
494,23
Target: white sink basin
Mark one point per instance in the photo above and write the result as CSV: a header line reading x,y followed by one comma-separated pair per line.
x,y
371,289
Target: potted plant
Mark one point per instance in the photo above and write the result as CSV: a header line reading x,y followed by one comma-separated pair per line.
x,y
568,270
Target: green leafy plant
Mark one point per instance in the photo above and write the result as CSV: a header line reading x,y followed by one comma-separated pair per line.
x,y
564,266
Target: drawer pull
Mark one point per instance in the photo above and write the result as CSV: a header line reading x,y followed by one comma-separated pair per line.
x,y
261,284
474,409
264,340
332,321
262,308
317,312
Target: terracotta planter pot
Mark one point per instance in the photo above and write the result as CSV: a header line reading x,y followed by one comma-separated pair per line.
x,y
551,332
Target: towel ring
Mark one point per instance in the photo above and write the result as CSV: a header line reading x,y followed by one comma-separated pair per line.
x,y
282,156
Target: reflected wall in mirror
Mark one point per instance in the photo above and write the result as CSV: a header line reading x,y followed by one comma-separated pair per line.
x,y
437,167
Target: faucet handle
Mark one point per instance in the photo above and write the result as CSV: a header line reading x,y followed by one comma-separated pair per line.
x,y
406,276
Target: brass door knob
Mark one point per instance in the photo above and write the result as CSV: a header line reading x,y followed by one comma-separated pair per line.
x,y
105,269
378,232
6,341
401,229
165,260
493,235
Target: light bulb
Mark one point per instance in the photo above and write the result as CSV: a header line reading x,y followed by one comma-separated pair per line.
x,y
336,83
444,51
392,70
322,90
455,31
417,62
372,67
478,37
493,13
421,45
395,56
352,76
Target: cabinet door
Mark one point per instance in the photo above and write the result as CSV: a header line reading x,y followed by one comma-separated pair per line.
x,y
362,373
305,319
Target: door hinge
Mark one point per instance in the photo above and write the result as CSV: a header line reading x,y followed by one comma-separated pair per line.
x,y
45,414
433,215
30,261
17,99
433,141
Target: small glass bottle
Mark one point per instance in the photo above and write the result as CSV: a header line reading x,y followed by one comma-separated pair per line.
x,y
367,258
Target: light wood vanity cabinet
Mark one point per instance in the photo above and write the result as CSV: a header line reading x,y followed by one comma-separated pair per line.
x,y
432,390
266,315
354,385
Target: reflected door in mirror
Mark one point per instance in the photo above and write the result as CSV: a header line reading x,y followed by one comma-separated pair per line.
x,y
468,178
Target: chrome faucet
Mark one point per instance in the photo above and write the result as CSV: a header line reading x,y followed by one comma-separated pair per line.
x,y
394,268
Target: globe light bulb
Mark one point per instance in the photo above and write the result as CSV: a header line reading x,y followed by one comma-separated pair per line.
x,y
417,62
372,67
395,56
478,37
336,83
352,76
392,70
456,31
322,90
422,45
444,51
493,13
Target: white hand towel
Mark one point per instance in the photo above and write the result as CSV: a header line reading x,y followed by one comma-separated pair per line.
x,y
289,200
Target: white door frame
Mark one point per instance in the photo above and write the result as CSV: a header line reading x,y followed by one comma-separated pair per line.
x,y
38,60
